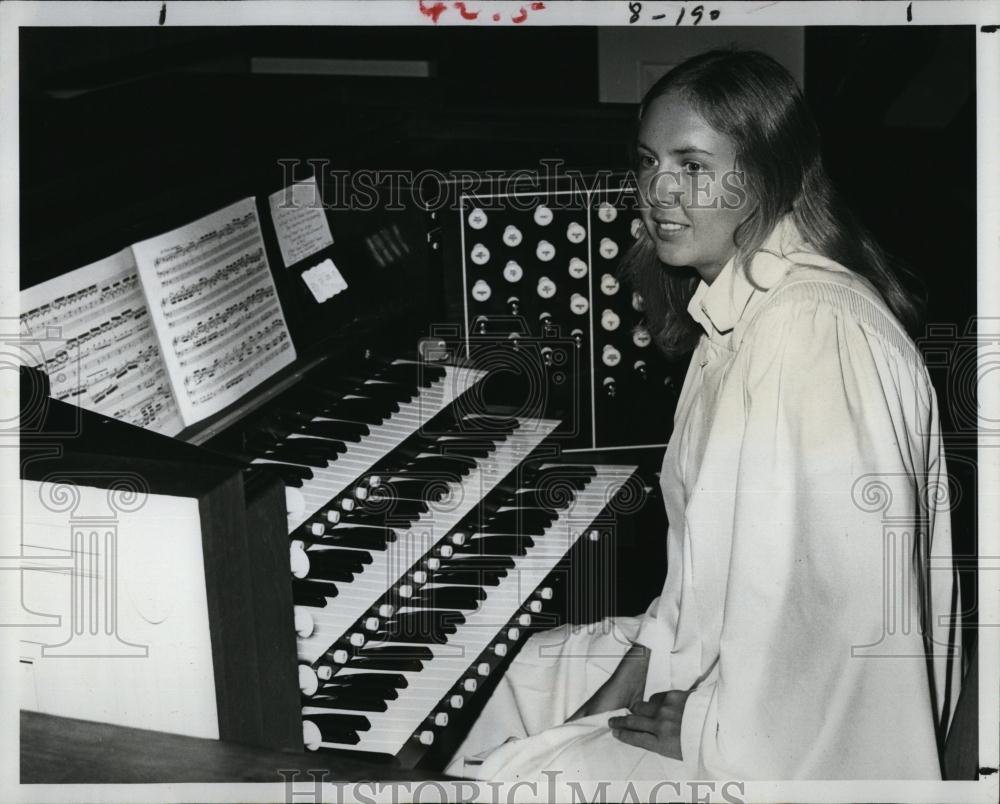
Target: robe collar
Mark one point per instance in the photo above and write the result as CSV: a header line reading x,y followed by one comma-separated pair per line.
x,y
719,306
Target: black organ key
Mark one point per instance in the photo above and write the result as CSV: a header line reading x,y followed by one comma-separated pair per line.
x,y
321,557
551,499
322,394
378,680
328,693
340,722
395,514
398,664
398,511
446,621
350,700
313,735
396,651
310,592
340,574
475,577
502,544
450,597
341,430
480,422
363,537
474,562
452,467
325,446
531,521
291,475
576,476
408,488
297,457
357,538
422,634
279,417
471,451
363,691
266,432
363,410
323,563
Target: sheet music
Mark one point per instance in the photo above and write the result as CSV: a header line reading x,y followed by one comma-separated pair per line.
x,y
215,308
97,343
299,221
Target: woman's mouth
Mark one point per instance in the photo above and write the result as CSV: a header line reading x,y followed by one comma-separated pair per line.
x,y
668,231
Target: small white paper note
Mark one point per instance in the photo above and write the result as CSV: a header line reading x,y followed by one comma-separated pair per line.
x,y
299,221
324,280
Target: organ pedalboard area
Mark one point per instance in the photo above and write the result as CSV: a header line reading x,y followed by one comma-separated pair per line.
x,y
543,284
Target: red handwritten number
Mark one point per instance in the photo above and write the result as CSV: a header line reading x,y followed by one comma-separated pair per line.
x,y
435,11
634,9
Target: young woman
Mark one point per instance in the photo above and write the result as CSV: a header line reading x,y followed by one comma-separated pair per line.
x,y
800,632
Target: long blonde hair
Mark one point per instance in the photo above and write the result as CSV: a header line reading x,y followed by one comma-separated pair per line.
x,y
753,100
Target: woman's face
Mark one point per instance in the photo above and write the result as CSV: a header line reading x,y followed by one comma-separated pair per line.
x,y
692,198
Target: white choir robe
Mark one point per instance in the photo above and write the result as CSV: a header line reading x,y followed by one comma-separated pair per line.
x,y
805,489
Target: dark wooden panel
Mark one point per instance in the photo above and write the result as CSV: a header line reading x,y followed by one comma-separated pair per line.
x,y
267,546
230,597
57,750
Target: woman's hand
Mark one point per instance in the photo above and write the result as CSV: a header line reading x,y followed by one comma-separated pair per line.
x,y
624,687
654,724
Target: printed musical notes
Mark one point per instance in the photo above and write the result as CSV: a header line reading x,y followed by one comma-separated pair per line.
x,y
167,331
299,221
215,308
99,348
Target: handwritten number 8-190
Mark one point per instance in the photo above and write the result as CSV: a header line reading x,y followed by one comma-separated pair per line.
x,y
698,12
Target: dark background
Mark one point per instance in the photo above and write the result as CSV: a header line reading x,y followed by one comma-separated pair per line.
x,y
126,133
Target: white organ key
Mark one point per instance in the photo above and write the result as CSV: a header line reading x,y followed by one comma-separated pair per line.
x,y
303,622
298,559
295,503
308,681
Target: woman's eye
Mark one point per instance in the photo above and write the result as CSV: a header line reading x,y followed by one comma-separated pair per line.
x,y
647,161
690,166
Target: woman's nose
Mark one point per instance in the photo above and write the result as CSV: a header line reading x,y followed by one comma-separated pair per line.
x,y
665,189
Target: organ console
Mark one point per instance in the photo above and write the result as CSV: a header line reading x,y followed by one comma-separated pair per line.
x,y
344,561
398,525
